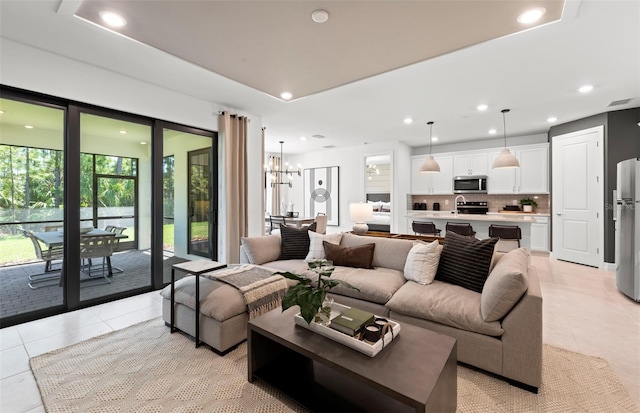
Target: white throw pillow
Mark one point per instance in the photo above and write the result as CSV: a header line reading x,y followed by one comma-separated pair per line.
x,y
422,262
316,249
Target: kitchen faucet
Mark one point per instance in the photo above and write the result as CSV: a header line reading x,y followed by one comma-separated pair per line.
x,y
455,203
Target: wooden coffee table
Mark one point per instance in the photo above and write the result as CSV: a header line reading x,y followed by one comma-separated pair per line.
x,y
416,372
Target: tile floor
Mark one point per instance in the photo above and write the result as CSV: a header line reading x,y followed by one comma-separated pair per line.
x,y
583,312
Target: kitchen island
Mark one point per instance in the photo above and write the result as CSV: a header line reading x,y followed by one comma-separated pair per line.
x,y
534,227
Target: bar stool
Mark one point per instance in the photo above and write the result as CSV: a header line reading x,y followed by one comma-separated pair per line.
x,y
425,228
510,236
460,228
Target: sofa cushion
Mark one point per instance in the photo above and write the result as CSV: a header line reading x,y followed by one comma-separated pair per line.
x,y
505,285
465,261
443,303
294,242
316,249
389,252
358,257
261,249
422,262
376,286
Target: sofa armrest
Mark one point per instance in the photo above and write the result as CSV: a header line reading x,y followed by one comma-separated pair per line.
x,y
522,338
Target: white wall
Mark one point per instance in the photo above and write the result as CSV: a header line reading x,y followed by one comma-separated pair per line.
x,y
353,176
39,71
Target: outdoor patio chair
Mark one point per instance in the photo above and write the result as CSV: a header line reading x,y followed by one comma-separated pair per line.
x,y
117,231
46,255
99,246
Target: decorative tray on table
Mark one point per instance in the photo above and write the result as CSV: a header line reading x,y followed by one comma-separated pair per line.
x,y
366,347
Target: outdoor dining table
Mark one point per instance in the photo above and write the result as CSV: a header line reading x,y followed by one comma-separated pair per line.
x,y
56,238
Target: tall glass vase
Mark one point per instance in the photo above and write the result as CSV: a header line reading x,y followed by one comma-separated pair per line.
x,y
324,312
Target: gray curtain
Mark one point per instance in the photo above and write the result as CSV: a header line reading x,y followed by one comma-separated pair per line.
x,y
232,129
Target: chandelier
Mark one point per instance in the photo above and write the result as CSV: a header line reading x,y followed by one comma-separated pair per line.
x,y
281,176
372,170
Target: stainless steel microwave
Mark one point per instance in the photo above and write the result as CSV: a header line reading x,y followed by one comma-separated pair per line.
x,y
470,184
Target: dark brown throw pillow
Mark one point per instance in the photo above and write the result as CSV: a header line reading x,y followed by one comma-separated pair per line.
x,y
294,242
465,261
358,257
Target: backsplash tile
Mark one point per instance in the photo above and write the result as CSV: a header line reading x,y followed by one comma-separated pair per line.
x,y
496,202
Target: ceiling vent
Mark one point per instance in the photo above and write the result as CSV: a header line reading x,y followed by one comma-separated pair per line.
x,y
318,136
329,146
620,102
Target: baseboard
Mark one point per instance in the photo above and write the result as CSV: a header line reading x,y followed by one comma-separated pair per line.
x,y
610,266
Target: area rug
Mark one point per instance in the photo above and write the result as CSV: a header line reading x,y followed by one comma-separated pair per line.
x,y
145,369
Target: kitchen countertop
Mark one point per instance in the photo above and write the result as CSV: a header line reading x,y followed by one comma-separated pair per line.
x,y
490,216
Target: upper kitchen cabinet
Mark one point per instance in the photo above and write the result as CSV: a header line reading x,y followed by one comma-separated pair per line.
x,y
470,164
440,183
531,178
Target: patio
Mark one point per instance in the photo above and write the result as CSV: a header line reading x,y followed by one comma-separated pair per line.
x,y
17,298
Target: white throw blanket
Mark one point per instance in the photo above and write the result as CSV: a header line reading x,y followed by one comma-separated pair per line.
x,y
262,290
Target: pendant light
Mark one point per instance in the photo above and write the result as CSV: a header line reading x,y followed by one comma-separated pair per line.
x,y
430,165
506,159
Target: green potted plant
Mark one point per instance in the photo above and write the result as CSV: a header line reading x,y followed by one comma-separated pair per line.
x,y
312,299
528,204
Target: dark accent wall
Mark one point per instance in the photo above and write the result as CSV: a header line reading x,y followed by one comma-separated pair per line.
x,y
621,141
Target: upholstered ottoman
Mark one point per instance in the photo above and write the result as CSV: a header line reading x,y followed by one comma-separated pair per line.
x,y
223,312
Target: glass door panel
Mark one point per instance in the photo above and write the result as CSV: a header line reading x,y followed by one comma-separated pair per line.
x,y
31,207
199,202
187,205
115,157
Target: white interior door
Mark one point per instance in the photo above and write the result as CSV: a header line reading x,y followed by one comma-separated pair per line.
x,y
577,197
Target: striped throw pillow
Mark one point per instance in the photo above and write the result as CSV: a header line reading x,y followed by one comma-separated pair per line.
x,y
465,261
294,242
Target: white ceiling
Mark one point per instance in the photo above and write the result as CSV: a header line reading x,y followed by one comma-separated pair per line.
x,y
535,73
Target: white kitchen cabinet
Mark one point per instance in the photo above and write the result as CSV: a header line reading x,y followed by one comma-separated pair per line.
x,y
540,234
470,164
532,177
432,183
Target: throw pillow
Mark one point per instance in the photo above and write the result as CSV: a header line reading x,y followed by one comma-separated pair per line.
x,y
385,207
505,285
261,249
316,248
465,261
358,257
294,242
375,205
422,262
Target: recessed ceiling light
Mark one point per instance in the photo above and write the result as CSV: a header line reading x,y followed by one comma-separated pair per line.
x,y
492,131
532,15
286,95
585,89
113,19
434,139
408,121
303,138
143,143
28,126
482,107
320,16
123,132
552,119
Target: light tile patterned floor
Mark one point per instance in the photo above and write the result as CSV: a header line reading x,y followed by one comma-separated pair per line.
x,y
583,312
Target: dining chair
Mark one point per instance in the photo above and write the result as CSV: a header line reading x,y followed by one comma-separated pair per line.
x,y
46,255
321,223
460,228
510,236
276,221
98,246
117,231
425,228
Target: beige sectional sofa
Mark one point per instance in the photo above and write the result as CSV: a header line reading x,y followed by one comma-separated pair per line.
x,y
510,346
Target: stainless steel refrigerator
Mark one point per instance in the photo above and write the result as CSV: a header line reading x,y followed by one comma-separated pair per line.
x,y
627,228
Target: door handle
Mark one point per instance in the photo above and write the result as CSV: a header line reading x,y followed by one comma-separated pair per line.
x,y
558,214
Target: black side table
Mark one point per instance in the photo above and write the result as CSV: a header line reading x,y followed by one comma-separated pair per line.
x,y
196,268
